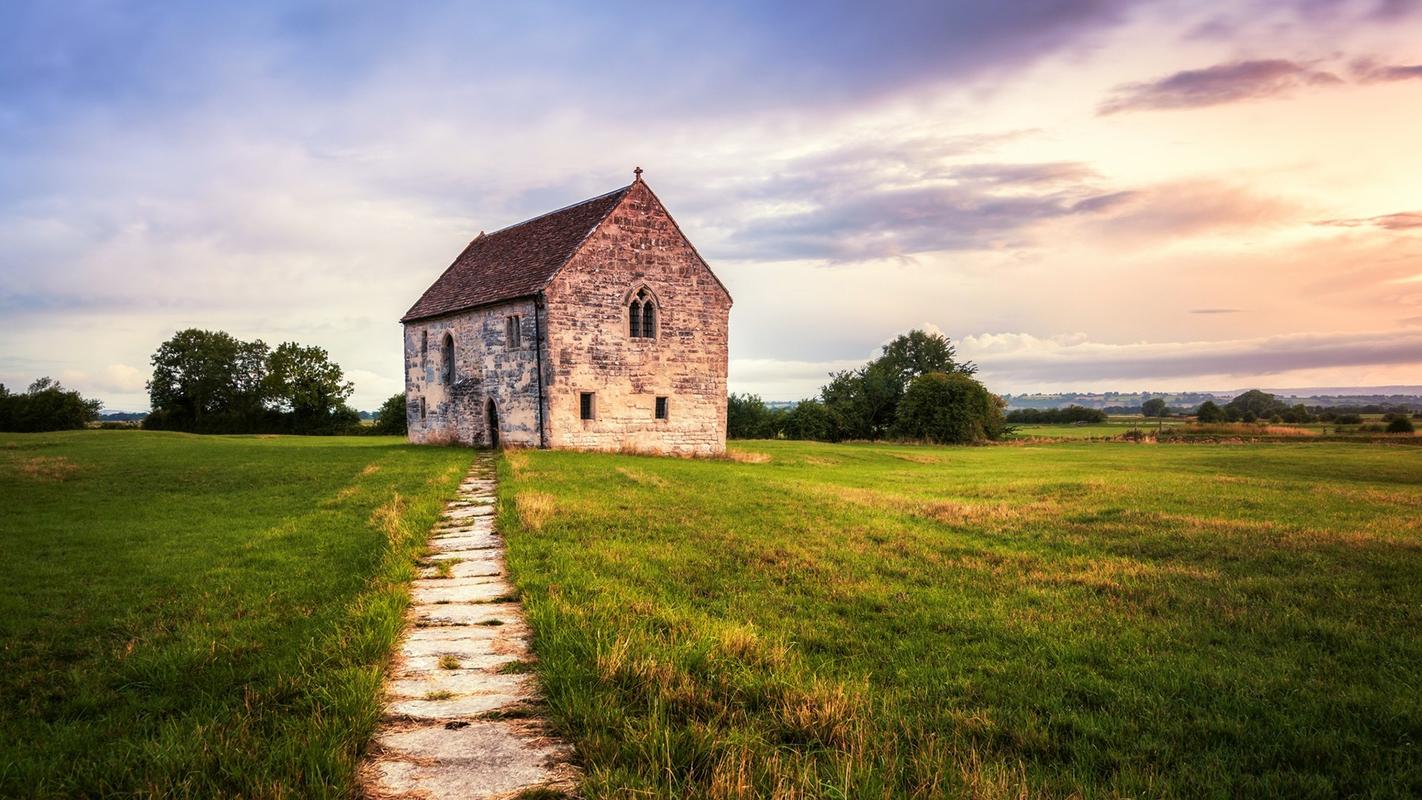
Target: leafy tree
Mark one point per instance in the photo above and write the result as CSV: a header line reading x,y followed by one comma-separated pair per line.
x,y
1154,407
1255,404
306,383
809,419
199,373
391,419
45,406
949,408
863,403
1400,424
212,382
1210,412
918,352
747,417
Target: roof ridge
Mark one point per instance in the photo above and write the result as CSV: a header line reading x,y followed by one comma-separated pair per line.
x,y
568,207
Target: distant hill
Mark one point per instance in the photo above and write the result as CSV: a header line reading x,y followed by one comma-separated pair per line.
x,y
1328,397
122,416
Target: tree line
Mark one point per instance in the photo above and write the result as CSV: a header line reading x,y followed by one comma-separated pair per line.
x,y
212,382
45,406
916,389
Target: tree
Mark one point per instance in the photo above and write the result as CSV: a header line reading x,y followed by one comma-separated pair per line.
x,y
1255,404
1209,412
809,419
748,418
1400,424
212,382
391,418
863,403
918,352
306,383
45,406
949,408
200,373
1154,407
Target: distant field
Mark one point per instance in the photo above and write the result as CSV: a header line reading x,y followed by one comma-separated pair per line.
x,y
185,616
1069,620
1114,426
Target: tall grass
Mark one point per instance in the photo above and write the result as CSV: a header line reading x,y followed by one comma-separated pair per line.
x,y
840,621
187,616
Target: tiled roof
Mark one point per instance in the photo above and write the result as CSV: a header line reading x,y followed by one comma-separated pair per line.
x,y
514,262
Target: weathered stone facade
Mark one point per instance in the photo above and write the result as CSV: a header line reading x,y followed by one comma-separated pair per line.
x,y
486,369
575,338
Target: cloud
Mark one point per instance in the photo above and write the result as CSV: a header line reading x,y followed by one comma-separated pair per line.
x,y
1022,357
1216,311
1222,83
1370,71
1401,221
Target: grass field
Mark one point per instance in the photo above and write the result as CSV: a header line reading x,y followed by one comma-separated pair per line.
x,y
1094,620
187,616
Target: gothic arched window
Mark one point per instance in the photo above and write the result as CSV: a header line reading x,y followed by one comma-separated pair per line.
x,y
448,359
642,316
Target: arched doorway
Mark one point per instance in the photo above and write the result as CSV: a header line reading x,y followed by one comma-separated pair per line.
x,y
492,414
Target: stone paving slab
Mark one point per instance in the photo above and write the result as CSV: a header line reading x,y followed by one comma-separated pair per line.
x,y
461,591
482,568
465,512
442,736
480,760
482,614
444,544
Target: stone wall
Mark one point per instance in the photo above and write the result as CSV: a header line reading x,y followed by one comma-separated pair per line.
x,y
486,368
589,349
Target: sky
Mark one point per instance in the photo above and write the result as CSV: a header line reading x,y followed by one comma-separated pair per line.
x,y
1096,195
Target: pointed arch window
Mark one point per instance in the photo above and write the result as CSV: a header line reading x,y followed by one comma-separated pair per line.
x,y
642,316
448,363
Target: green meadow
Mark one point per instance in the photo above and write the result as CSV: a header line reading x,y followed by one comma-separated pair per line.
x,y
202,616
1062,620
186,616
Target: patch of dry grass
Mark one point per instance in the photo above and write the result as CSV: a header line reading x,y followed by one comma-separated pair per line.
x,y
641,477
517,461
748,457
389,518
48,468
534,508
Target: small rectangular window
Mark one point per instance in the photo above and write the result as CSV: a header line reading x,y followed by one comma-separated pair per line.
x,y
513,331
661,408
422,408
586,405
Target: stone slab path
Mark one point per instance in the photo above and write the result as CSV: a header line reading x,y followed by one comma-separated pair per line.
x,y
461,707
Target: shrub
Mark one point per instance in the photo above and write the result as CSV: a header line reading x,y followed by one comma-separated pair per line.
x,y
747,417
809,419
1055,416
391,419
1348,419
1400,424
45,406
1154,407
949,408
1209,413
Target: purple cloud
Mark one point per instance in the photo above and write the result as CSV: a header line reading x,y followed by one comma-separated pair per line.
x,y
1406,220
1368,71
1217,85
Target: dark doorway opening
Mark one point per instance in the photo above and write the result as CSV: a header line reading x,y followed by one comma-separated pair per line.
x,y
493,415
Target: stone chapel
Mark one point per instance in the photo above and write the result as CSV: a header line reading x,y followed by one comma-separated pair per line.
x,y
597,326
